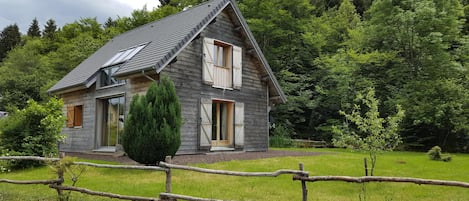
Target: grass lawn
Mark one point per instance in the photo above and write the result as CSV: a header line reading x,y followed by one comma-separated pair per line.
x,y
339,162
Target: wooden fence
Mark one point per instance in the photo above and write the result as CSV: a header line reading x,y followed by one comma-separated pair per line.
x,y
298,175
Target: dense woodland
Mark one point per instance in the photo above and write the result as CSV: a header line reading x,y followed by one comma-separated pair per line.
x,y
409,53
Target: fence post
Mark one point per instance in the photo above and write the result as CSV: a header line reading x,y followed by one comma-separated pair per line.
x,y
60,174
303,183
366,166
168,175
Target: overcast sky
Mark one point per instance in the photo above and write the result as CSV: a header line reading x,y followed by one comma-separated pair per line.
x,y
22,12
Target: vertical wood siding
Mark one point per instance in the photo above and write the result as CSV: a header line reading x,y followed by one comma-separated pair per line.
x,y
187,76
186,73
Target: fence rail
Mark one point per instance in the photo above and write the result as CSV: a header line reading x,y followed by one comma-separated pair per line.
x,y
382,179
232,173
102,194
298,175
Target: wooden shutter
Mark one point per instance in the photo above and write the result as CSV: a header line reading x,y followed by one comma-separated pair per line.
x,y
208,65
237,67
239,124
206,122
70,116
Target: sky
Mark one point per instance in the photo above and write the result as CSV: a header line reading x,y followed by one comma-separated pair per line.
x,y
22,12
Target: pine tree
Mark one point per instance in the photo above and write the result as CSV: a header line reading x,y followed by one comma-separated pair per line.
x,y
9,38
33,30
153,127
110,23
49,29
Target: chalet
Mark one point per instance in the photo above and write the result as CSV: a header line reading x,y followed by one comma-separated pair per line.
x,y
223,80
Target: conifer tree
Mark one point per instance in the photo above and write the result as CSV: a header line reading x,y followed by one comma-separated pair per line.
x,y
49,29
153,127
9,38
33,30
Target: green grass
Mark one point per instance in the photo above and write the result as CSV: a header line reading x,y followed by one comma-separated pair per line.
x,y
336,162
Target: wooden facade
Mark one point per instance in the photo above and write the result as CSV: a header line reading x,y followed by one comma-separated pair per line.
x,y
247,101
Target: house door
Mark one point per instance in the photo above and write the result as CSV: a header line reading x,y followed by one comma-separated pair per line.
x,y
112,121
222,124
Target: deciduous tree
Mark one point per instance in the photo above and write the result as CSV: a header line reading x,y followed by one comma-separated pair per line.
x,y
366,130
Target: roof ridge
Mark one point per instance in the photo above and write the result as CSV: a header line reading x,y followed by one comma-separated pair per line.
x,y
165,18
194,30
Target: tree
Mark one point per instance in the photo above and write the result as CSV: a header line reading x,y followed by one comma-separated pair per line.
x,y
110,23
33,30
9,38
33,131
153,127
426,38
22,75
50,29
368,131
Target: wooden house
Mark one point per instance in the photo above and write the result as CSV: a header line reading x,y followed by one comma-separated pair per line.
x,y
223,81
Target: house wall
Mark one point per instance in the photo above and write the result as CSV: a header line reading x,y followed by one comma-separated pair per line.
x,y
80,138
84,138
186,74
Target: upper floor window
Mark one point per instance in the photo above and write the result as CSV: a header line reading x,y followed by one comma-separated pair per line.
x,y
124,55
107,78
113,64
222,54
222,64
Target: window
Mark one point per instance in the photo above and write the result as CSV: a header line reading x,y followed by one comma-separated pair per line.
x,y
124,55
222,123
113,64
75,116
107,78
222,55
222,64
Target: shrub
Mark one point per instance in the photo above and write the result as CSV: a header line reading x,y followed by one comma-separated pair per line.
x,y
153,127
435,154
32,131
280,137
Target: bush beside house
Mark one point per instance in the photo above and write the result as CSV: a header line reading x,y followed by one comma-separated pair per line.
x,y
153,127
32,131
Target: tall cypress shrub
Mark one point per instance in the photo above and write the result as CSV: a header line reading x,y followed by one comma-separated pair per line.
x,y
153,127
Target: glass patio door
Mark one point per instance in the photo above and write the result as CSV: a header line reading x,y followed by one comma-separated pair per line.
x,y
113,121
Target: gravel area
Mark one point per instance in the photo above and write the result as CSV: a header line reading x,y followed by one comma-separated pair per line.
x,y
212,157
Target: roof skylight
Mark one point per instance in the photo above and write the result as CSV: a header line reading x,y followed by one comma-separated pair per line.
x,y
124,55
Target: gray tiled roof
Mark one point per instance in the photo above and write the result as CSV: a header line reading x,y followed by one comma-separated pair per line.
x,y
165,38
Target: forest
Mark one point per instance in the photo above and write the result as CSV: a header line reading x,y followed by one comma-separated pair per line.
x,y
410,55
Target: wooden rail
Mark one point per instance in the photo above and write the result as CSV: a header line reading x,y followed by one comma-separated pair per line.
x,y
309,143
33,158
135,167
45,182
102,194
169,196
232,173
382,179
